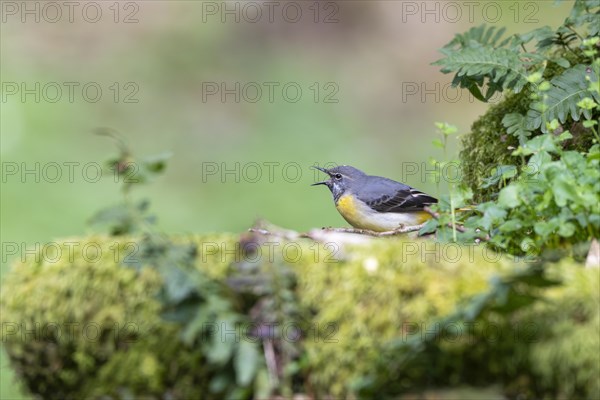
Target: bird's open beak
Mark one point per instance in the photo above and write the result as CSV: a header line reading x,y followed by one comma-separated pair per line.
x,y
322,182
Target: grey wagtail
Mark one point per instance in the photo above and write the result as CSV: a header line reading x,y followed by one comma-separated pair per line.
x,y
373,202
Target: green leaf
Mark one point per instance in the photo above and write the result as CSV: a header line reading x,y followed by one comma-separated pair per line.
x,y
219,383
246,362
475,306
445,128
534,77
545,228
542,34
566,135
157,163
528,246
178,285
543,87
472,86
220,348
563,62
501,172
491,213
541,143
438,143
509,196
566,229
511,225
514,301
587,103
563,191
123,219
430,226
196,325
518,125
536,163
461,196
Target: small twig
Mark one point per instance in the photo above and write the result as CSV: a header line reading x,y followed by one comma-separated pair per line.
x,y
399,231
258,230
285,235
271,361
429,211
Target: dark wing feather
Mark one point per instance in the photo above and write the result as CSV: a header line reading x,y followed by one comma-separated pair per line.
x,y
391,196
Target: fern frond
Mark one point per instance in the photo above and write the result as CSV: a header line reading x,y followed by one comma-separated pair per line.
x,y
502,68
518,125
585,14
561,100
478,36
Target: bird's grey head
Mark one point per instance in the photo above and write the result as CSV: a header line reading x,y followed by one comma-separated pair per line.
x,y
341,178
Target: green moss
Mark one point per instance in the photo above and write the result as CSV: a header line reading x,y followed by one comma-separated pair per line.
x,y
354,300
545,351
488,145
160,364
83,325
565,356
373,299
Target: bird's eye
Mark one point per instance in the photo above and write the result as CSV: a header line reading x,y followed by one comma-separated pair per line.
x,y
338,176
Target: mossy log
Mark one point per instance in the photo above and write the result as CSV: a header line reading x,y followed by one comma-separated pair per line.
x,y
78,323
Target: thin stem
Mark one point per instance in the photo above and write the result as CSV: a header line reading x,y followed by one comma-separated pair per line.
x,y
595,132
453,215
574,31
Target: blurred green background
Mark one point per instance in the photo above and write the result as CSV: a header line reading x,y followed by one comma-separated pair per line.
x,y
376,54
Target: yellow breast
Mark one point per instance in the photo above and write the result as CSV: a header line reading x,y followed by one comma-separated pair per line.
x,y
356,213
346,206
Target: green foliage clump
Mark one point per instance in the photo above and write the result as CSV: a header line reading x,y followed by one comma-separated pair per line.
x,y
531,161
539,86
554,208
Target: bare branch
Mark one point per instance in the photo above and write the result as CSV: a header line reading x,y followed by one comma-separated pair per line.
x,y
310,235
399,231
